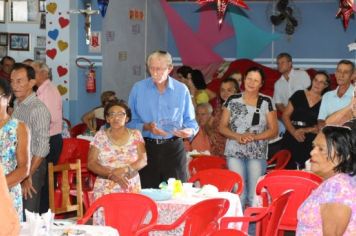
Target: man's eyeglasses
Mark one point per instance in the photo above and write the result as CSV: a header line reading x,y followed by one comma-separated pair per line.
x,y
117,114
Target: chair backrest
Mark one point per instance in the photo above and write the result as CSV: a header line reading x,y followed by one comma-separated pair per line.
x,y
72,150
272,215
299,173
64,170
78,129
127,212
274,186
203,163
224,180
280,159
201,218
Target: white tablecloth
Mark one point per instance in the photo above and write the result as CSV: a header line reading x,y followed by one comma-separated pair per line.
x,y
59,230
170,210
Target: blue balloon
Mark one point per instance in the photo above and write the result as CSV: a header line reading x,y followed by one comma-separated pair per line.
x,y
103,5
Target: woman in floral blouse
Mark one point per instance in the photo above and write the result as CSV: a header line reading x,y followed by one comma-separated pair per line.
x,y
116,154
331,208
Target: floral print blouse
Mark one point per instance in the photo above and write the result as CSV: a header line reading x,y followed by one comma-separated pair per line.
x,y
8,144
341,188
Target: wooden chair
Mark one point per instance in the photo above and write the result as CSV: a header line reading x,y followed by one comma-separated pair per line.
x,y
66,206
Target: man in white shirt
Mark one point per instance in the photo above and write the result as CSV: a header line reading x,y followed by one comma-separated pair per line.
x,y
337,99
290,81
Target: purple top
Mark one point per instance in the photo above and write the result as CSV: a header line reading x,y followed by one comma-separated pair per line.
x,y
340,188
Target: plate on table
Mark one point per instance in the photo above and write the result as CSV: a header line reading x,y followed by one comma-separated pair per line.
x,y
156,194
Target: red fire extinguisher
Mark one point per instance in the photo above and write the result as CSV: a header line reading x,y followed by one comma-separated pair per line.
x,y
90,83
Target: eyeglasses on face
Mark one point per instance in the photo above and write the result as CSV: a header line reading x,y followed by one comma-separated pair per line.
x,y
116,114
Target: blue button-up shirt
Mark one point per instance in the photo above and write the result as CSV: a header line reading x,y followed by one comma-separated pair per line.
x,y
170,110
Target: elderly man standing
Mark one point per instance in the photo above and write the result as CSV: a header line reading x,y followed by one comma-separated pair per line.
x,y
290,81
162,109
339,98
50,96
29,109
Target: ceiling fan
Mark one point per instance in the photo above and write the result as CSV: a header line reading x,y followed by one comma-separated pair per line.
x,y
285,13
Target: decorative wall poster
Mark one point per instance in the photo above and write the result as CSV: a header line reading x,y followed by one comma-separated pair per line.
x,y
57,50
95,42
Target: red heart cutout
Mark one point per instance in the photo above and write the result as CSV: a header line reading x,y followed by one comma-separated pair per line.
x,y
62,71
51,53
63,22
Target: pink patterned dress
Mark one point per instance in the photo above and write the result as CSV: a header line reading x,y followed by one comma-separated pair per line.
x,y
115,156
341,188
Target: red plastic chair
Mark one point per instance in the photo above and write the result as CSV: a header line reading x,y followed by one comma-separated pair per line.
x,y
200,219
271,214
229,232
298,173
126,212
273,186
72,150
78,129
224,180
208,162
279,160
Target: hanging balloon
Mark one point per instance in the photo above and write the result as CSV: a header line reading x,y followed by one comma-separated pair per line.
x,y
103,5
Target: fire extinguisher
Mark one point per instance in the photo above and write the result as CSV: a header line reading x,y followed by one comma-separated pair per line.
x,y
90,83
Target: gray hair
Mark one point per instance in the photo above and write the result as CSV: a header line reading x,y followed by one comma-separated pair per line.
x,y
161,54
207,106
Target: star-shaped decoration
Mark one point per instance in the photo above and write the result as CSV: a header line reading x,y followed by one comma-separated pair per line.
x,y
222,5
345,11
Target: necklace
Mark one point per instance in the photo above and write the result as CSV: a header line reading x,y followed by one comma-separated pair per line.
x,y
122,140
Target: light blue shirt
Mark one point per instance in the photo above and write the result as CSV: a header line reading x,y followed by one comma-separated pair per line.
x,y
170,110
332,103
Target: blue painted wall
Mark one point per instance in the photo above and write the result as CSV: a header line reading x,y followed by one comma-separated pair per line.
x,y
86,101
319,41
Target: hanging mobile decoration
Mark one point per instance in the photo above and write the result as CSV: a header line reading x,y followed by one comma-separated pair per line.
x,y
345,11
103,5
222,5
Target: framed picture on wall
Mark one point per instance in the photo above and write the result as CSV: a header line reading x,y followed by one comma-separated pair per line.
x,y
24,11
4,39
41,41
39,54
20,42
42,6
3,51
2,11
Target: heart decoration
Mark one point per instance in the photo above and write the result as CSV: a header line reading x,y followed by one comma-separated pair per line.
x,y
51,53
53,34
62,71
63,22
62,45
51,7
62,90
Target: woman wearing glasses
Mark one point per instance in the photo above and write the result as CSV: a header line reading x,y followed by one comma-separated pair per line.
x,y
301,119
116,154
331,208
